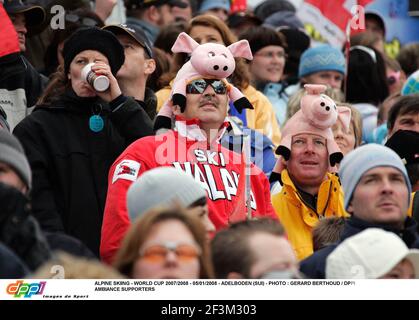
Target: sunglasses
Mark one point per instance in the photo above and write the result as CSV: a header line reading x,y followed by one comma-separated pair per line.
x,y
393,78
198,86
198,203
158,253
85,21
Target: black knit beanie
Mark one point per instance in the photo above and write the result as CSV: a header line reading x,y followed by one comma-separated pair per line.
x,y
261,37
94,39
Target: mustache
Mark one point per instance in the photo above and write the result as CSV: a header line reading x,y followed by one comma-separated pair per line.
x,y
208,99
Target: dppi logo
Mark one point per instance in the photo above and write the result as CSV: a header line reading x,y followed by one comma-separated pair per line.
x,y
27,290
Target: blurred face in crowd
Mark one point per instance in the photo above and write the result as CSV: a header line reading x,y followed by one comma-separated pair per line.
x,y
221,13
170,252
164,15
372,25
272,254
381,197
81,87
379,46
182,14
19,22
136,63
395,80
333,79
9,177
309,161
268,64
203,34
386,106
403,270
201,210
408,121
344,139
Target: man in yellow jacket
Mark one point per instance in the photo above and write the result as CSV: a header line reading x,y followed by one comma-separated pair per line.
x,y
309,192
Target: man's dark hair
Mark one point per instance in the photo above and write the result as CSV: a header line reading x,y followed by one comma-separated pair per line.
x,y
367,81
404,105
230,247
408,58
327,232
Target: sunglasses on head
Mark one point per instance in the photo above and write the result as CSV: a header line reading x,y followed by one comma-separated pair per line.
x,y
198,86
157,253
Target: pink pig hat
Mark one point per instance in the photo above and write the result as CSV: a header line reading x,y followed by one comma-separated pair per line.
x,y
208,61
317,115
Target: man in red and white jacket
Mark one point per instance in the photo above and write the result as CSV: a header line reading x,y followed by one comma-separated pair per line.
x,y
193,146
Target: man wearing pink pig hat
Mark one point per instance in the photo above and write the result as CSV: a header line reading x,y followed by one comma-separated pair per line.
x,y
310,191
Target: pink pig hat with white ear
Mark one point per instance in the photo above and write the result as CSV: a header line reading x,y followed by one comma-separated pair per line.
x,y
209,61
317,115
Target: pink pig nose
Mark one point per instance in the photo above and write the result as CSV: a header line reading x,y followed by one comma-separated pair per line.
x,y
216,67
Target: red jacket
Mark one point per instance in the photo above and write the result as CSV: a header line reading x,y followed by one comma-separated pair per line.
x,y
217,168
8,36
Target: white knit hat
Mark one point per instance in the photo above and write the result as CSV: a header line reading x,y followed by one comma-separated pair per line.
x,y
369,254
162,186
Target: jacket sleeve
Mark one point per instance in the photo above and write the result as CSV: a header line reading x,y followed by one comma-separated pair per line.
x,y
43,203
35,83
262,118
269,210
314,266
266,119
130,119
261,189
116,221
162,96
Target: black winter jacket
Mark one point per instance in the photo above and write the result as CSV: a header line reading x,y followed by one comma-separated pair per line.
x,y
70,162
20,87
314,267
11,267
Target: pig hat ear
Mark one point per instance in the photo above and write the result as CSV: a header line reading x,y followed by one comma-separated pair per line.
x,y
184,43
344,115
315,88
241,49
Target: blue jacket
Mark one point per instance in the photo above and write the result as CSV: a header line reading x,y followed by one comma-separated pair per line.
x,y
261,147
279,99
314,267
150,30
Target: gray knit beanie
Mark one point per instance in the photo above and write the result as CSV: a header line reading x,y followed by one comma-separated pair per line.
x,y
163,186
12,154
357,162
